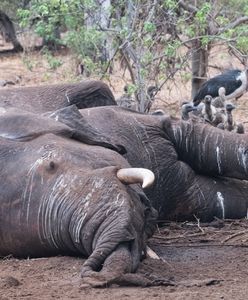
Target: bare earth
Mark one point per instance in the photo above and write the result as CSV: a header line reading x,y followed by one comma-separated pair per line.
x,y
206,262
200,261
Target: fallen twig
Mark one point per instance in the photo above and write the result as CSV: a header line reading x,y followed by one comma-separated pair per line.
x,y
202,245
234,235
178,236
198,224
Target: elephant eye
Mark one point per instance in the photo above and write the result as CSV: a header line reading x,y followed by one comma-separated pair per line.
x,y
52,166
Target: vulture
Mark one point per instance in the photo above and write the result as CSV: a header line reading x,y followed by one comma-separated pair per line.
x,y
209,111
219,102
230,124
186,108
211,114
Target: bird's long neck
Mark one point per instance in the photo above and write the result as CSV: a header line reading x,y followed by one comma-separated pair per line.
x,y
209,112
229,120
222,98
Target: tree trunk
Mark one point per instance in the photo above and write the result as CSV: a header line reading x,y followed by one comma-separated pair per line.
x,y
199,66
54,43
135,53
7,30
101,19
105,12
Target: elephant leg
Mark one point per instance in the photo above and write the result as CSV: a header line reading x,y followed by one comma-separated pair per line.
x,y
209,197
189,194
225,198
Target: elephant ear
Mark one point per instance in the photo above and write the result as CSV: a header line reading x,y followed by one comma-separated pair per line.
x,y
16,124
82,130
90,94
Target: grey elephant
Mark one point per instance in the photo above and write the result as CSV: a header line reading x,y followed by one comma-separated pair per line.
x,y
41,99
199,169
64,192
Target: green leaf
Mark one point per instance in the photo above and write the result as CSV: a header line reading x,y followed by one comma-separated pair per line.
x,y
149,27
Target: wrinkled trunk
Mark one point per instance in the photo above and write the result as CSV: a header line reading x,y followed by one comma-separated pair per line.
x,y
7,30
199,66
209,150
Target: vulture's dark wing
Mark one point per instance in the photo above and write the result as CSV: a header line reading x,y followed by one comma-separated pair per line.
x,y
211,87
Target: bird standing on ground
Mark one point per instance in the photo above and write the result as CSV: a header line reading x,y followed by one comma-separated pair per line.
x,y
235,83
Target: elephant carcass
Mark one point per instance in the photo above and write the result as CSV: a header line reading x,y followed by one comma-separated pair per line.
x,y
45,98
197,167
62,196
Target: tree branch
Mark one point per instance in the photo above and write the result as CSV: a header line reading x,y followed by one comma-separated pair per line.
x,y
128,65
109,63
152,10
188,7
233,24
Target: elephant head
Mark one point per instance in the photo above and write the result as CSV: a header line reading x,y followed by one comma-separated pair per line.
x,y
199,170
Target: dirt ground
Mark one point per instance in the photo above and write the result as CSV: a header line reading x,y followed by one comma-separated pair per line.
x,y
200,261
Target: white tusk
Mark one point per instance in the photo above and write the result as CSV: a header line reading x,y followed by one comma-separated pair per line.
x,y
152,254
136,175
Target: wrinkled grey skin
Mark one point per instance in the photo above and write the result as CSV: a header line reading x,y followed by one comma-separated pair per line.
x,y
62,196
41,99
199,169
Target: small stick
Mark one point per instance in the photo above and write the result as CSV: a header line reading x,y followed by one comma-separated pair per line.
x,y
155,236
198,224
203,245
234,235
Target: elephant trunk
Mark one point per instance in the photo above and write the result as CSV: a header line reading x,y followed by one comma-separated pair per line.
x,y
209,150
